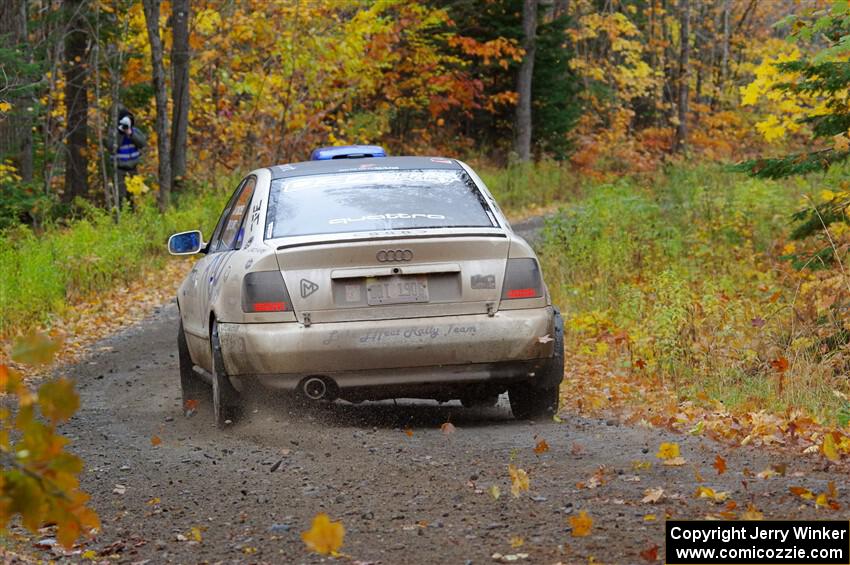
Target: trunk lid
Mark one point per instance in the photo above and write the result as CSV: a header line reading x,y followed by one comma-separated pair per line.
x,y
409,277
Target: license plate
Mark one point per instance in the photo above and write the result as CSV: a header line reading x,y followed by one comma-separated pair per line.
x,y
396,290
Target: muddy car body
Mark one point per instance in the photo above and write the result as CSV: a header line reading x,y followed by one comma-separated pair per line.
x,y
367,279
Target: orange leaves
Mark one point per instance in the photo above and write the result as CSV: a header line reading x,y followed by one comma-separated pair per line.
x,y
499,48
190,407
650,554
720,465
593,379
828,499
780,364
803,493
519,480
541,447
324,537
581,524
155,441
38,480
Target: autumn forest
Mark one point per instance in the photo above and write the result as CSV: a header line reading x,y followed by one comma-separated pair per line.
x,y
685,162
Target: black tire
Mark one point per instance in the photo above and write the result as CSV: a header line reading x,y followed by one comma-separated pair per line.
x,y
480,401
540,398
530,402
553,373
191,385
225,398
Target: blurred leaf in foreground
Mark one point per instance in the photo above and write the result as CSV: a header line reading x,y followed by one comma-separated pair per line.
x,y
38,478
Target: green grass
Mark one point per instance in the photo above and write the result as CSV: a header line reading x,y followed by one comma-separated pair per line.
x,y
688,268
41,274
523,186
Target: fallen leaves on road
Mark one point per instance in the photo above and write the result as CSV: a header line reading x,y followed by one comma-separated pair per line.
x,y
641,465
668,451
155,440
324,536
190,407
598,389
752,513
828,499
829,448
669,454
596,480
495,491
508,558
650,553
767,473
720,465
711,494
652,495
541,447
581,524
519,480
803,493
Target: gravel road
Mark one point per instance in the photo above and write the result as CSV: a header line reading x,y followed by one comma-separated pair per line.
x,y
250,490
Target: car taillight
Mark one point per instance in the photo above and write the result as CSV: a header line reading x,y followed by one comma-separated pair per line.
x,y
522,279
265,291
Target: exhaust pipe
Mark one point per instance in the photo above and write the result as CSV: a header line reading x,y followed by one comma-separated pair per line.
x,y
315,388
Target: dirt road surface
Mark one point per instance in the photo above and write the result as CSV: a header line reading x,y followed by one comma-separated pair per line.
x,y
160,480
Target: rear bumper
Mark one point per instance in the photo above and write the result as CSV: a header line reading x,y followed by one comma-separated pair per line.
x,y
470,348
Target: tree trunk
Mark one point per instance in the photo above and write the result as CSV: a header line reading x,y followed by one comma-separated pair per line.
x,y
179,89
16,128
724,65
561,7
76,102
670,88
522,144
684,75
162,140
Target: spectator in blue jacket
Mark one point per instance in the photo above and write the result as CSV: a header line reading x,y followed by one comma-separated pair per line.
x,y
126,147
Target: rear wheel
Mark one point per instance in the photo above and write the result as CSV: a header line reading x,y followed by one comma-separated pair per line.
x,y
191,386
541,400
530,402
225,397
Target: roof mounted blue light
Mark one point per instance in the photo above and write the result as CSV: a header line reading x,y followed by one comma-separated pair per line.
x,y
347,152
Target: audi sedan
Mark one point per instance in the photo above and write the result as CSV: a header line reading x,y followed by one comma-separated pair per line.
x,y
367,279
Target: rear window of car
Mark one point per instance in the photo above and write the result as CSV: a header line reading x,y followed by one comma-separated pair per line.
x,y
375,201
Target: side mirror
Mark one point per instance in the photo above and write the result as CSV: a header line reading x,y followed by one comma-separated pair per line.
x,y
185,243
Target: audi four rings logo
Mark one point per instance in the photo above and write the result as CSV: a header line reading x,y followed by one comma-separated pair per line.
x,y
387,255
